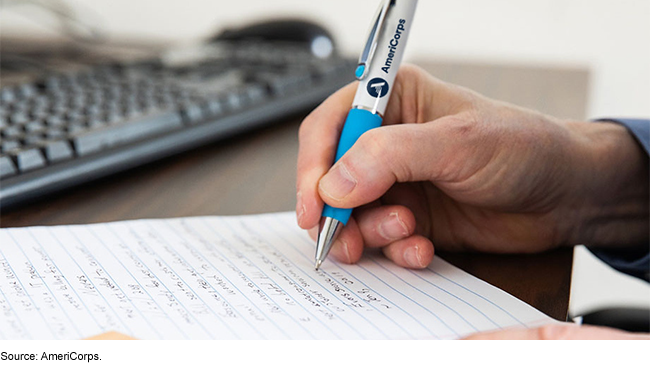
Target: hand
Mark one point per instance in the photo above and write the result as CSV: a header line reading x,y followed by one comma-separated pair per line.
x,y
560,332
454,169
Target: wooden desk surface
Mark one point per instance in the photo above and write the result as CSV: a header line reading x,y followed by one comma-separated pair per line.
x,y
255,173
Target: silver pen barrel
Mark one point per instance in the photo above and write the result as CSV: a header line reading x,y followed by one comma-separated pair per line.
x,y
328,231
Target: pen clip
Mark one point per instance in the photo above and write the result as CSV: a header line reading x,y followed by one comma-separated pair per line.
x,y
371,43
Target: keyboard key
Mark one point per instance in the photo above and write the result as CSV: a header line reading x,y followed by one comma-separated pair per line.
x,y
53,133
7,167
55,120
8,145
255,93
27,90
130,112
19,118
35,126
41,101
122,133
92,109
12,132
29,159
113,117
214,107
57,151
192,113
283,84
234,101
96,123
7,94
39,113
32,139
75,128
59,108
75,116
324,69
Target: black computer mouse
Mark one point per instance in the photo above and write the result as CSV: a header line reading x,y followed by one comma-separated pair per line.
x,y
312,35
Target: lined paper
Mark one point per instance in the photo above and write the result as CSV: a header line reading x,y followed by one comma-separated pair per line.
x,y
248,277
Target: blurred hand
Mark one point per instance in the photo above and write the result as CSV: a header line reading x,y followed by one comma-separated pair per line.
x,y
560,332
457,170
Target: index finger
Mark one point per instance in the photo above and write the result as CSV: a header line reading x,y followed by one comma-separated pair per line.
x,y
318,139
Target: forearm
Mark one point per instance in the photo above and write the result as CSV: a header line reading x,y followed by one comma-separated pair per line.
x,y
613,187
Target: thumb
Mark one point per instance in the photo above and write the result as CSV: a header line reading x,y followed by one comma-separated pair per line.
x,y
398,153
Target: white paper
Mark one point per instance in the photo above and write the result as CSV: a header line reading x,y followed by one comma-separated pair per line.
x,y
248,277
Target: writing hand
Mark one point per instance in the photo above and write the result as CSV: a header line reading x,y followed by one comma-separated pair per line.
x,y
457,170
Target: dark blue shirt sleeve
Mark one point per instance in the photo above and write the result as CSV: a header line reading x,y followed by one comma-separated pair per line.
x,y
632,262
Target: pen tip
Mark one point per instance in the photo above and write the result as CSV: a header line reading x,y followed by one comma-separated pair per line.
x,y
318,263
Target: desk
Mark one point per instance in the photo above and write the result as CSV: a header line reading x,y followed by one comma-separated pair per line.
x,y
255,173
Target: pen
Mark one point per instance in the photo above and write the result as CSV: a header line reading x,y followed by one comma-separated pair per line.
x,y
376,72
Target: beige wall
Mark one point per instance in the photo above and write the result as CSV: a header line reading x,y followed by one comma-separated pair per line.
x,y
612,37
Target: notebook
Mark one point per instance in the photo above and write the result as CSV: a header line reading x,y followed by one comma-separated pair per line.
x,y
240,277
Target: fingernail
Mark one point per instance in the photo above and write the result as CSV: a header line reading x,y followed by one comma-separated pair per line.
x,y
300,208
412,257
338,182
392,228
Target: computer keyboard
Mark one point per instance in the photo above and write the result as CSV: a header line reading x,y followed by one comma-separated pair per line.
x,y
68,128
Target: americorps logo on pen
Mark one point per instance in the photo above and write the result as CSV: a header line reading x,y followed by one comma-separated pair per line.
x,y
393,43
377,87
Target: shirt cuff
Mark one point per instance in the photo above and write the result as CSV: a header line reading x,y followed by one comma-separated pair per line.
x,y
635,262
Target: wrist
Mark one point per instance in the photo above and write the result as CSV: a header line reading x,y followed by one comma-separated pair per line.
x,y
611,189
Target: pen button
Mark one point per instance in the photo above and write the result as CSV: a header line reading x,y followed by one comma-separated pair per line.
x,y
360,71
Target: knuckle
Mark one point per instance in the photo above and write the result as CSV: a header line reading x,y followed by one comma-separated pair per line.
x,y
460,128
388,151
374,142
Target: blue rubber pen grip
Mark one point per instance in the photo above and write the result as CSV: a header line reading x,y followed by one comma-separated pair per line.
x,y
357,123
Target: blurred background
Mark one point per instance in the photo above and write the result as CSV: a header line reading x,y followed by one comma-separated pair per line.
x,y
608,39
